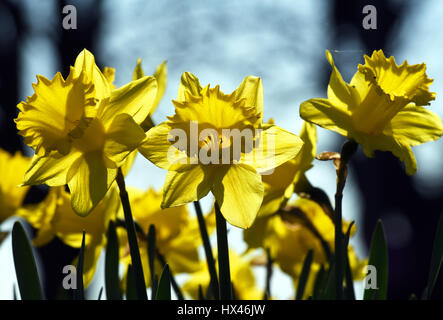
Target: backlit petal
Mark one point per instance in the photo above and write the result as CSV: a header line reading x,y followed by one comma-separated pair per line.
x,y
239,193
190,184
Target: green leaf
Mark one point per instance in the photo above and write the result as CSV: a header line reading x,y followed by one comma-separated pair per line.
x,y
201,296
224,271
329,292
100,294
304,275
436,259
151,257
378,257
213,285
131,291
319,283
134,251
79,293
112,281
25,267
349,289
164,285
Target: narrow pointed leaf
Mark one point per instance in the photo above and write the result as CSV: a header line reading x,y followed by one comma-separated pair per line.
x,y
201,296
79,293
112,281
436,259
224,272
349,289
151,257
131,292
100,294
164,285
378,257
214,285
319,283
329,291
139,282
25,267
304,275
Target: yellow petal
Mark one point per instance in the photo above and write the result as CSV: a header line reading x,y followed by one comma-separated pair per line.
x,y
157,145
109,74
239,193
53,112
407,81
275,148
124,136
251,89
388,143
190,184
339,92
12,170
308,134
161,75
323,113
136,99
188,83
129,161
89,182
138,70
85,63
415,125
51,170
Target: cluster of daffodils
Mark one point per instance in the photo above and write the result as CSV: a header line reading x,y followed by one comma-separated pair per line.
x,y
86,134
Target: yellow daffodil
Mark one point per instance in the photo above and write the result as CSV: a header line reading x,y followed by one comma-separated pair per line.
x,y
289,235
222,147
290,177
381,108
82,130
160,75
242,277
177,234
54,217
12,169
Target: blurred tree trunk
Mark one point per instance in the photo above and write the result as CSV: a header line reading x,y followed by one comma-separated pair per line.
x,y
13,29
384,186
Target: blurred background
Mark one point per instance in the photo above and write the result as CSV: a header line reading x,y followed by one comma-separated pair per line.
x,y
221,42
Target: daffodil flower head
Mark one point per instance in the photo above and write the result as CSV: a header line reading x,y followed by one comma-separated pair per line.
x,y
289,235
54,217
382,108
12,169
82,130
217,142
177,233
290,177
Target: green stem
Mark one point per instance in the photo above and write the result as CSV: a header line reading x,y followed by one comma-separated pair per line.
x,y
208,251
348,149
269,272
132,239
223,255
